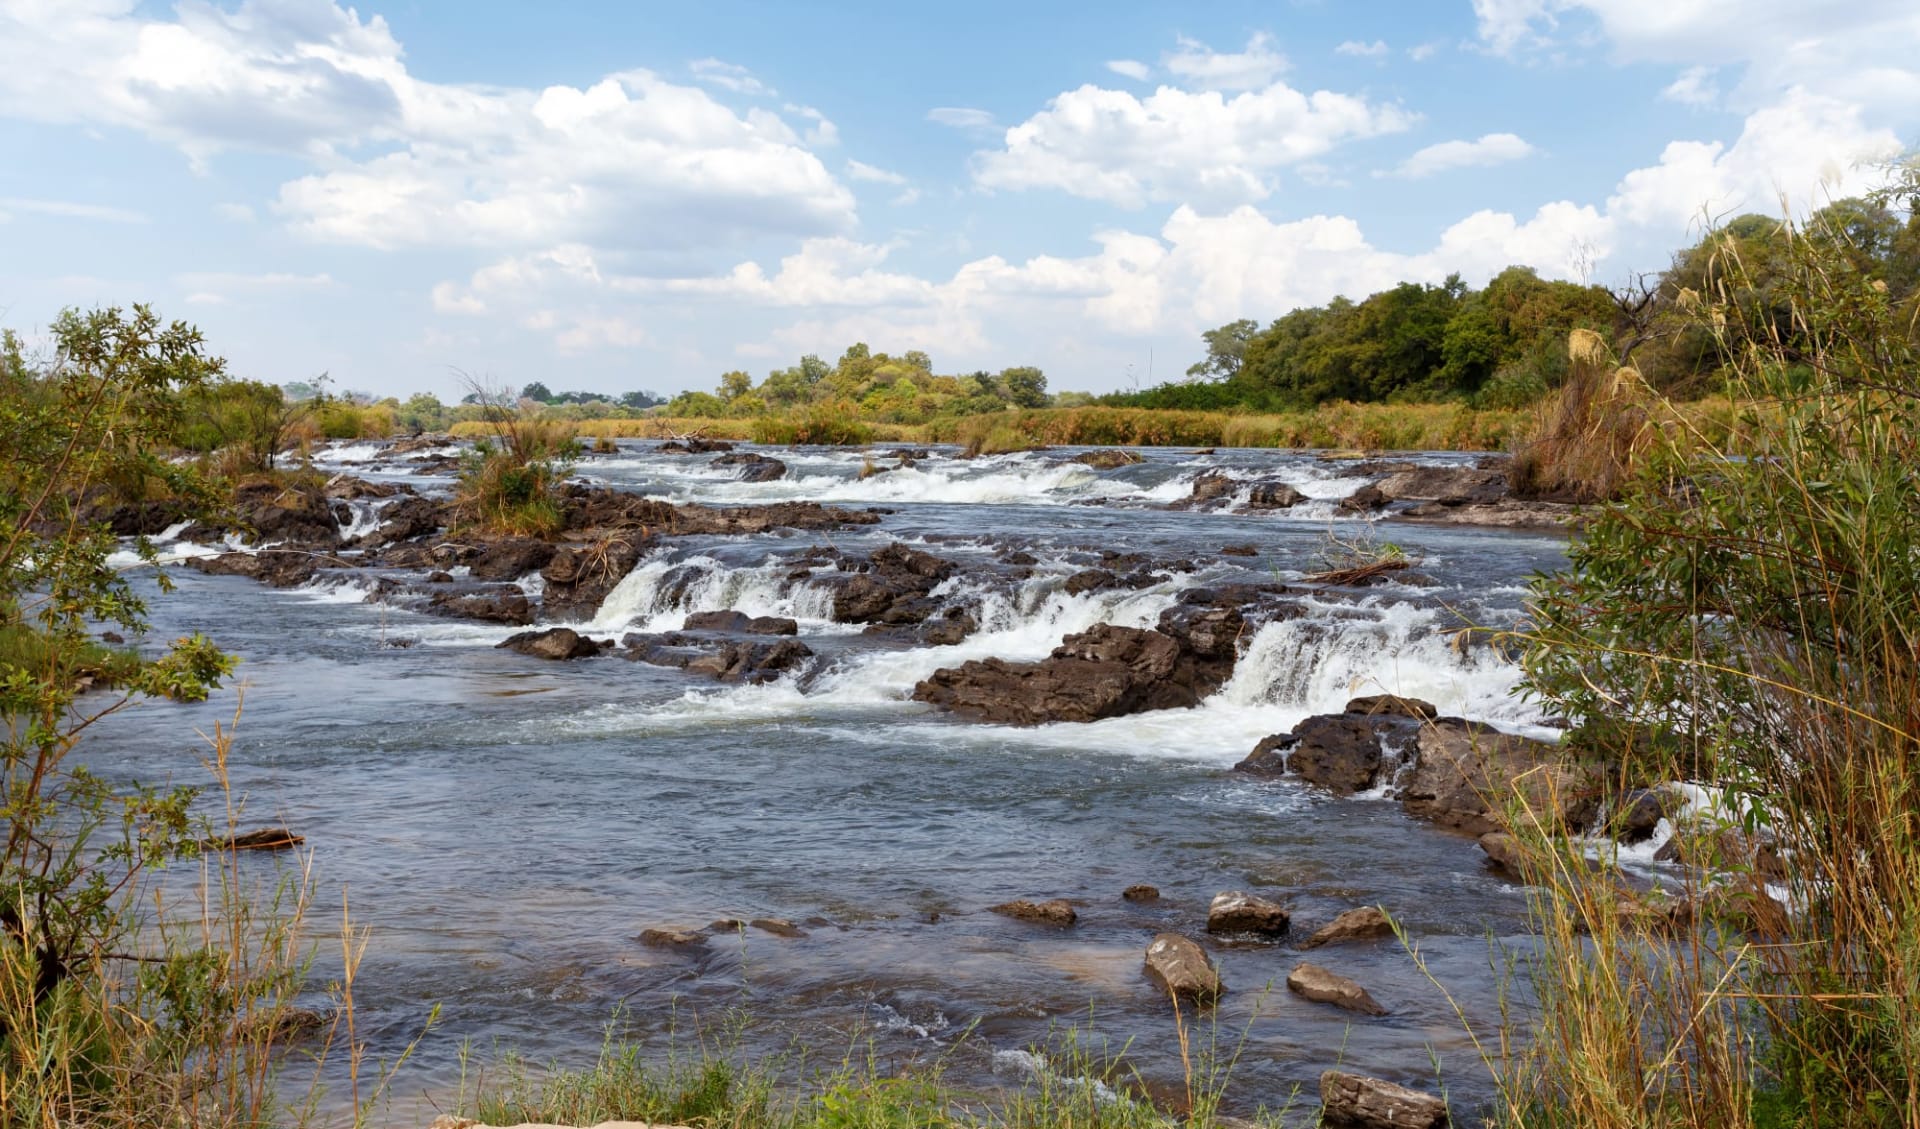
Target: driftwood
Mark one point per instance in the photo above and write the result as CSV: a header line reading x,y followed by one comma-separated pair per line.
x,y
1359,574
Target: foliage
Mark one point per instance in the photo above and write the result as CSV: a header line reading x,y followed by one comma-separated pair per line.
x,y
249,419
830,424
1590,434
876,387
509,482
1751,618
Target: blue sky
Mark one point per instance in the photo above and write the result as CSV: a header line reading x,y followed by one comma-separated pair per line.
x,y
611,196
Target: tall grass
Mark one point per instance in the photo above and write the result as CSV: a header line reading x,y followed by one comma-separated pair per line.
x,y
1748,616
1371,426
509,483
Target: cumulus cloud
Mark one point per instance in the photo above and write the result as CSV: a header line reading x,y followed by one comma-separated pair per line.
x,y
1130,68
632,159
1201,67
1178,145
1378,49
1491,149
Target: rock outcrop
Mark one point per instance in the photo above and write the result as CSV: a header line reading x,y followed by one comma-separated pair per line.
x,y
1107,671
555,643
1363,924
1055,911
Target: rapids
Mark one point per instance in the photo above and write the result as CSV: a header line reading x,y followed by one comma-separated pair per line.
x,y
507,827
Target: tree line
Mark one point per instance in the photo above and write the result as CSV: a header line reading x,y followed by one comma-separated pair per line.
x,y
1503,345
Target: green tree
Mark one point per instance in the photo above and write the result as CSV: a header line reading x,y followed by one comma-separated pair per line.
x,y
537,392
1226,350
1024,387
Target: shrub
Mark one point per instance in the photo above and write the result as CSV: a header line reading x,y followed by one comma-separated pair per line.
x,y
833,424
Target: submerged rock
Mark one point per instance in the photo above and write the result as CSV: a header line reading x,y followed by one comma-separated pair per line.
x,y
501,605
754,467
1234,911
1141,892
278,568
1359,1102
1181,967
1312,982
1107,458
510,559
671,937
1055,911
740,623
1273,496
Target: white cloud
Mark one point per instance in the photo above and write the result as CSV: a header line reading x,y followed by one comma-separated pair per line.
x,y
1130,68
822,133
963,117
910,196
219,280
1177,145
205,298
1204,68
1421,52
1694,87
630,160
1378,49
1491,149
728,76
1806,150
69,209
860,170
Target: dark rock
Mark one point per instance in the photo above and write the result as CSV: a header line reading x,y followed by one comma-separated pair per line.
x,y
1055,911
1508,856
1141,892
501,605
951,628
740,623
1364,500
1467,773
579,577
1107,671
1182,969
141,519
1315,983
730,662
693,445
290,512
556,643
1639,815
778,926
1342,752
511,559
1393,705
277,568
1273,496
1211,487
1268,758
1235,911
439,576
1350,1100
1089,580
1239,550
112,638
414,516
754,467
1020,557
265,839
1363,924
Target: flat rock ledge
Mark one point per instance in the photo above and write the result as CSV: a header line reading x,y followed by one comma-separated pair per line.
x,y
1235,911
1369,1103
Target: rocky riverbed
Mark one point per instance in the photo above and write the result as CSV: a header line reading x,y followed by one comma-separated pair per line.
x,y
891,744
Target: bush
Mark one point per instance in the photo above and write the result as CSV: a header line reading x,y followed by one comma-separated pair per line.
x,y
834,424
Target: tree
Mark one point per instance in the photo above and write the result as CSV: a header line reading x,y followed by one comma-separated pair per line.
x,y
735,384
1226,350
1025,387
641,399
538,392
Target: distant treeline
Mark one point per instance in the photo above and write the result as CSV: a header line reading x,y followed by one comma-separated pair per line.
x,y
1504,345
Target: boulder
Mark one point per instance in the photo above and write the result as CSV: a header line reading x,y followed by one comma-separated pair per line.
x,y
1234,911
1393,705
1507,855
1141,892
778,927
1639,812
1107,671
1507,513
1468,774
1361,924
500,605
750,662
1089,580
412,516
1364,500
693,445
754,467
579,577
1239,550
740,623
1359,1102
1182,969
1055,911
1447,485
893,588
1315,983
1273,496
1211,487
948,629
555,643
294,513
511,559
1268,758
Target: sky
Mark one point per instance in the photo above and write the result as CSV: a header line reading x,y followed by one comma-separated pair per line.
x,y
404,194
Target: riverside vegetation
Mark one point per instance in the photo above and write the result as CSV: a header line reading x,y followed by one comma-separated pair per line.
x,y
1741,612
